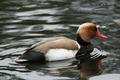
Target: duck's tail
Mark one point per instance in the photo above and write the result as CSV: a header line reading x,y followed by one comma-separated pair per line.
x,y
31,56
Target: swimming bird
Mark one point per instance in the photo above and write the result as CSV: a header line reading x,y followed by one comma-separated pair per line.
x,y
62,48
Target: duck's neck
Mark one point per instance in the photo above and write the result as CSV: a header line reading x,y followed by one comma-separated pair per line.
x,y
82,42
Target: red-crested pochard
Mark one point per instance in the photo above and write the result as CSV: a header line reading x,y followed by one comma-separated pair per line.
x,y
61,48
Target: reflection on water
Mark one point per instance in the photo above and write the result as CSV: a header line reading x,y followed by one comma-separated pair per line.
x,y
24,22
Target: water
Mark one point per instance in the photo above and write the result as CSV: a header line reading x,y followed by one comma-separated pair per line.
x,y
25,22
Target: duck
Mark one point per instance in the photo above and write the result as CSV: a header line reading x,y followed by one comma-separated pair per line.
x,y
61,48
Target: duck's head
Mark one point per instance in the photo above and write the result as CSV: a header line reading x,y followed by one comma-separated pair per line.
x,y
88,31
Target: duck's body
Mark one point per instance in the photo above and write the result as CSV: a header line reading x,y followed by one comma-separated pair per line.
x,y
51,49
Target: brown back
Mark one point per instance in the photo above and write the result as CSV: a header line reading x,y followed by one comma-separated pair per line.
x,y
55,43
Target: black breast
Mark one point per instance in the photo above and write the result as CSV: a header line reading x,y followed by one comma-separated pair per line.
x,y
83,54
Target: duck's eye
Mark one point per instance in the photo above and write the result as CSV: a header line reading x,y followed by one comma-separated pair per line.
x,y
94,29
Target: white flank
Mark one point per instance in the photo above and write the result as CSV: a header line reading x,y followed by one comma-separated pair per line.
x,y
60,54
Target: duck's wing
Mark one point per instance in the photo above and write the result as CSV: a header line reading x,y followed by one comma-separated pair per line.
x,y
46,40
55,43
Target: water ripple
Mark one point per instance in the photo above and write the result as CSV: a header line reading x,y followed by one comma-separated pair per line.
x,y
25,22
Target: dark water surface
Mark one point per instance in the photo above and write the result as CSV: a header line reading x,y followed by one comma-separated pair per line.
x,y
24,22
